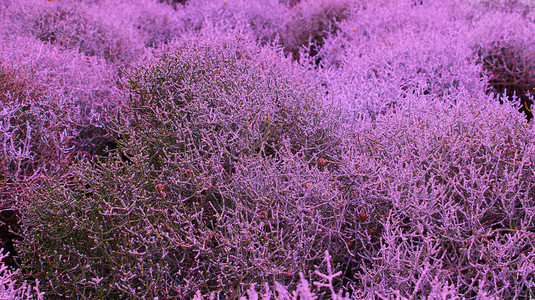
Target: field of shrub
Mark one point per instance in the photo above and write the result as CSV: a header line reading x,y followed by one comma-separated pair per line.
x,y
274,149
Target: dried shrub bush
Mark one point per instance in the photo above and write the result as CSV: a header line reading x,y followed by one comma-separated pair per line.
x,y
229,173
72,28
512,73
29,136
150,23
450,189
214,195
176,4
297,27
10,288
502,47
303,290
80,90
157,29
25,119
375,24
453,186
47,96
430,148
309,23
374,67
523,8
75,26
83,87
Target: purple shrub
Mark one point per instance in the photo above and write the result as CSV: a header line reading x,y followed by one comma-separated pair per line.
x,y
298,27
219,143
382,56
174,3
80,90
309,23
75,26
149,22
451,188
505,53
522,8
24,110
10,288
47,95
512,74
390,69
30,136
181,151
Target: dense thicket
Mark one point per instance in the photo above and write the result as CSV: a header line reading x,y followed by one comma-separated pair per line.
x,y
207,148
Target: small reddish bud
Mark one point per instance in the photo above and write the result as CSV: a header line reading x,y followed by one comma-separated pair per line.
x,y
322,162
161,190
363,216
263,214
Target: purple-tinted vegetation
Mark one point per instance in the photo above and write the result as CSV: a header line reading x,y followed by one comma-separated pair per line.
x,y
225,149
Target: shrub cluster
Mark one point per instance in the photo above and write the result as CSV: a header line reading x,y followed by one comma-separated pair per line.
x,y
506,56
511,74
450,190
298,26
215,183
11,289
30,137
47,94
309,23
179,150
23,112
383,55
72,26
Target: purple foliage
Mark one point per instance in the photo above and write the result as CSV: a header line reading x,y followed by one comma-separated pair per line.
x,y
214,149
